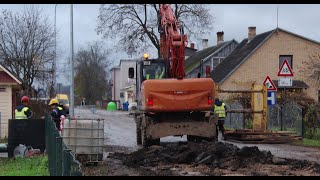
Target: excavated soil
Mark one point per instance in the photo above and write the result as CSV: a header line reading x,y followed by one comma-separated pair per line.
x,y
201,159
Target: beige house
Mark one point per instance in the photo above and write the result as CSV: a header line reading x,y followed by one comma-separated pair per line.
x,y
9,85
260,55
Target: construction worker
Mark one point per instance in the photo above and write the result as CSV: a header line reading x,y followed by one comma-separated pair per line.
x,y
220,110
56,112
23,111
149,74
160,73
64,108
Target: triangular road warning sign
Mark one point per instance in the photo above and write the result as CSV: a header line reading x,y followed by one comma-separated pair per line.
x,y
270,85
285,69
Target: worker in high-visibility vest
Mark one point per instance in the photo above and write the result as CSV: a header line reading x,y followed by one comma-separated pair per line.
x,y
149,74
220,110
23,111
56,112
160,73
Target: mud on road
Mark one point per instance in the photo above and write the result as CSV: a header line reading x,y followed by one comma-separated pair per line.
x,y
201,159
177,157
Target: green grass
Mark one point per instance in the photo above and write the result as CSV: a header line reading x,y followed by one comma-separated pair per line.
x,y
33,166
309,143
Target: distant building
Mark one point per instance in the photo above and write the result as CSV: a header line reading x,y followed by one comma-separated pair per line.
x,y
122,86
189,51
260,55
209,56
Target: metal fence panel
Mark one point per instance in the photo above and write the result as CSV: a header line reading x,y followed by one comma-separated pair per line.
x,y
235,120
290,113
62,162
287,117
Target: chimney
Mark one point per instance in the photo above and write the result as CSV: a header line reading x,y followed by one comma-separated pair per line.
x,y
220,38
192,45
204,43
251,33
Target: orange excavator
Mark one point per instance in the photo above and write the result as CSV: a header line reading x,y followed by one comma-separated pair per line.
x,y
167,103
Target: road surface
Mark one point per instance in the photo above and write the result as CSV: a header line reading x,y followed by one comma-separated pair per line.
x,y
120,137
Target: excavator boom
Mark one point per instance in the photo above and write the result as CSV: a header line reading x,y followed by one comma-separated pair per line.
x,y
172,42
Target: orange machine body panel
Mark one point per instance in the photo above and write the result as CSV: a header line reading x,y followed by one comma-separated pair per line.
x,y
174,95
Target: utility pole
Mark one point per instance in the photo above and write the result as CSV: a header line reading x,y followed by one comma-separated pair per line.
x,y
277,17
71,59
55,48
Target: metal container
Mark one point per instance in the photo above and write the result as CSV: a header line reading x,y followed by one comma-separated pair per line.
x,y
85,137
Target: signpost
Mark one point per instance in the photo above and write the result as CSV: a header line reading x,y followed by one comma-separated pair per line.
x,y
285,82
272,98
284,71
270,85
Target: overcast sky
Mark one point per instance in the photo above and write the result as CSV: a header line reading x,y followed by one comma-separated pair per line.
x,y
234,20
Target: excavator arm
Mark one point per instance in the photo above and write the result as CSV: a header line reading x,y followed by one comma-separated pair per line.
x,y
172,42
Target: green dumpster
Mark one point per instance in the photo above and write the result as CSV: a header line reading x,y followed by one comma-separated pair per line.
x,y
111,106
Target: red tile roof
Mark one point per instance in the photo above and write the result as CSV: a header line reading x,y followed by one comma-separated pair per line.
x,y
5,78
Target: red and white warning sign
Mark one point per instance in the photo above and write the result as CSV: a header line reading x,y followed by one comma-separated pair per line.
x,y
270,85
285,69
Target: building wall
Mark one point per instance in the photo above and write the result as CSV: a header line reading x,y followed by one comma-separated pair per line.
x,y
116,84
265,61
5,110
122,79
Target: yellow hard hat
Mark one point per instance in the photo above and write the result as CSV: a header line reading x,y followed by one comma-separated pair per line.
x,y
53,101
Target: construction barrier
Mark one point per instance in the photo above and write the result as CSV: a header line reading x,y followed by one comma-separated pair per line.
x,y
62,161
259,107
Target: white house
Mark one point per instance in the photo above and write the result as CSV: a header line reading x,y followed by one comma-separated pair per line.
x,y
122,86
9,85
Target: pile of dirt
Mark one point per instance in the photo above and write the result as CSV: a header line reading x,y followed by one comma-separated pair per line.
x,y
213,154
201,159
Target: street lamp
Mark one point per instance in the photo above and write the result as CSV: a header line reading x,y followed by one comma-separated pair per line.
x,y
55,46
72,79
71,56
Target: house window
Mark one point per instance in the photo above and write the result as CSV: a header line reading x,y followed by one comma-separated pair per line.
x,y
2,89
288,57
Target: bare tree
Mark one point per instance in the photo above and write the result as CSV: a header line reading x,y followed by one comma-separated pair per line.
x,y
137,24
27,45
92,72
311,69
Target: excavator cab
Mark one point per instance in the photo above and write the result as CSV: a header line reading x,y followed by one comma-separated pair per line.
x,y
149,69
